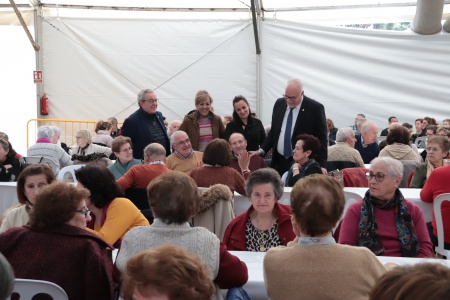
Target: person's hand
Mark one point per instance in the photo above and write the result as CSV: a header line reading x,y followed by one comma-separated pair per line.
x,y
244,160
324,171
296,165
199,164
7,167
253,153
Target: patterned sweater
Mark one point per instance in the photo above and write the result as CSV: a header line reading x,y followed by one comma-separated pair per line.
x,y
343,151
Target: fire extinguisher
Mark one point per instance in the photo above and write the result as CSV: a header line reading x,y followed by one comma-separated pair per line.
x,y
44,104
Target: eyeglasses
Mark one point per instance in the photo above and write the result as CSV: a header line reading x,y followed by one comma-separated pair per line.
x,y
84,211
185,142
151,100
441,134
379,177
127,150
78,137
291,98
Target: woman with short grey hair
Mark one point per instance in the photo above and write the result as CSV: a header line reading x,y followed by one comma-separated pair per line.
x,y
384,221
266,223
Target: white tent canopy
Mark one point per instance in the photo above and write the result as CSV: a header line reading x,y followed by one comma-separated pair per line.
x,y
95,61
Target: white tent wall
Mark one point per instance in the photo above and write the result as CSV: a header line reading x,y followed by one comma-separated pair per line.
x,y
94,68
350,71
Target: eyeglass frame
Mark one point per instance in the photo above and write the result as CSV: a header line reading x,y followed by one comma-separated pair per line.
x,y
291,98
129,149
377,176
86,211
152,101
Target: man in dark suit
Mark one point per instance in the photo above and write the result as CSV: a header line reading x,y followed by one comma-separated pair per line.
x,y
305,116
146,125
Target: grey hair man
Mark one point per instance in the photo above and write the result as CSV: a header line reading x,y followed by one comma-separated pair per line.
x,y
240,160
366,142
44,147
139,176
56,139
146,125
344,148
183,158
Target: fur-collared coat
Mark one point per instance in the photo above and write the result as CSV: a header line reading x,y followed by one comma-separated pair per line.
x,y
215,211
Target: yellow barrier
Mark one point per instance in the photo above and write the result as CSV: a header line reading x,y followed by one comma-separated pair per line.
x,y
68,129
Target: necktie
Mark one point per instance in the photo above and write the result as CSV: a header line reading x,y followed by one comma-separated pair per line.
x,y
287,136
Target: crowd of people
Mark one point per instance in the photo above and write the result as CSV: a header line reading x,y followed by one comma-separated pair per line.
x,y
139,190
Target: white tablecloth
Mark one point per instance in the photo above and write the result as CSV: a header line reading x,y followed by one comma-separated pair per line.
x,y
241,203
254,261
8,195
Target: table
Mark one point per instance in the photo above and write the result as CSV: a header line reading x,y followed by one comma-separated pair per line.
x,y
8,195
241,203
254,261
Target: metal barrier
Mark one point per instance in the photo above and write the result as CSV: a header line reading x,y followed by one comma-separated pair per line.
x,y
68,129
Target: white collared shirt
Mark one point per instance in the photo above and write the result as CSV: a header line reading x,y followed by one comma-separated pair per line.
x,y
295,112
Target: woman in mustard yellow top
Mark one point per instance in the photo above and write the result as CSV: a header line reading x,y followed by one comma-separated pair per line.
x,y
112,215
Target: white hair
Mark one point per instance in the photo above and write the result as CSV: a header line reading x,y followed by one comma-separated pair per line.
x,y
343,133
56,131
45,132
297,82
394,166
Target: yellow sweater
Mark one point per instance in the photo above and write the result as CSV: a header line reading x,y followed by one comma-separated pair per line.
x,y
175,163
121,216
320,272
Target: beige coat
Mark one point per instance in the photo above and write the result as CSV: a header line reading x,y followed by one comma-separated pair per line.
x,y
215,210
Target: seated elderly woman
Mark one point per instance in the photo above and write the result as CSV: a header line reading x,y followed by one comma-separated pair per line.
x,y
266,223
32,179
102,136
181,275
292,272
174,199
420,281
121,146
86,151
44,147
306,148
399,145
10,166
215,169
383,220
344,150
56,247
112,215
438,148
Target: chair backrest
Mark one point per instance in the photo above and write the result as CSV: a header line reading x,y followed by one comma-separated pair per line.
x,y
68,173
284,177
33,160
420,142
439,227
350,198
28,288
355,177
408,167
410,176
340,165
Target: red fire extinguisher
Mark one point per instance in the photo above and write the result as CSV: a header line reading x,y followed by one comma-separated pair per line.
x,y
44,104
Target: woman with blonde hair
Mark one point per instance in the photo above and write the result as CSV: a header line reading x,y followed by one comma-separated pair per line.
x,y
201,124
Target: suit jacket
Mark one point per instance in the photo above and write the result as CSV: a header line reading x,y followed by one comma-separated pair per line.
x,y
311,120
135,127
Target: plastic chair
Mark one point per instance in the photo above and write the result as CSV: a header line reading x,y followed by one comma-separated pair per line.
x,y
408,167
67,172
339,165
284,177
439,227
410,176
28,288
420,142
350,198
33,160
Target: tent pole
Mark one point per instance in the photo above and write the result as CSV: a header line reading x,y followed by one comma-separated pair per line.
x,y
256,17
